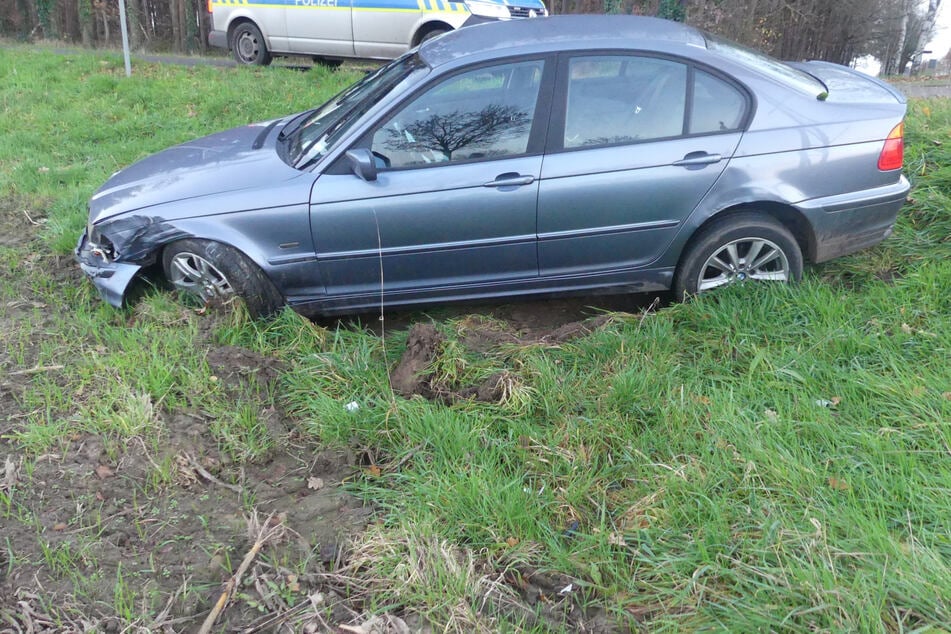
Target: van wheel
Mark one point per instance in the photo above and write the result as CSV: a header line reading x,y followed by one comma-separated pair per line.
x,y
434,33
737,249
248,46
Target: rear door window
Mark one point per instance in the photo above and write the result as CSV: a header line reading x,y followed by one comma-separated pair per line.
x,y
623,99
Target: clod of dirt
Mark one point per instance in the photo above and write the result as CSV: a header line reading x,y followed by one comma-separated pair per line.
x,y
574,330
409,376
489,391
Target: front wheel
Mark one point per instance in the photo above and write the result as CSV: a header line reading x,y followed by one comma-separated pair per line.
x,y
248,45
739,248
211,271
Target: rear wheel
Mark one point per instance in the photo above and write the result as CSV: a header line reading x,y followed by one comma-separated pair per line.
x,y
739,248
248,45
211,271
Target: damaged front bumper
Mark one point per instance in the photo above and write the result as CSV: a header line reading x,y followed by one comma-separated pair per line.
x,y
110,278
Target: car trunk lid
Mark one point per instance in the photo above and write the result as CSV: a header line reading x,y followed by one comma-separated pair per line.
x,y
847,85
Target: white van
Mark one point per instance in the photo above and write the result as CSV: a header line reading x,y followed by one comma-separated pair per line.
x,y
333,30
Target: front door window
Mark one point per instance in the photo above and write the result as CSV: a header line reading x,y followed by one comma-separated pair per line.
x,y
477,115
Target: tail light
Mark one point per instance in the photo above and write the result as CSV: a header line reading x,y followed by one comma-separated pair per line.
x,y
893,152
209,6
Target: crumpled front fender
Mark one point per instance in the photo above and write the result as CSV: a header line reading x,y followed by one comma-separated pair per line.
x,y
111,279
132,243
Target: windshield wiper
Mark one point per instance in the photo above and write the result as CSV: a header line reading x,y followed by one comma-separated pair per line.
x,y
294,123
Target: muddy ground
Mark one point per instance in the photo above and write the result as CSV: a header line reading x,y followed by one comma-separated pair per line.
x,y
90,542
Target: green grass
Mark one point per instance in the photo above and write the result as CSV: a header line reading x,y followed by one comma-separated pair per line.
x,y
761,459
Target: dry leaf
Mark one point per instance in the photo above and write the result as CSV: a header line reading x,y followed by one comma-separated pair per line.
x,y
617,539
838,485
373,471
104,472
771,414
905,328
512,542
835,400
947,396
315,484
59,526
292,584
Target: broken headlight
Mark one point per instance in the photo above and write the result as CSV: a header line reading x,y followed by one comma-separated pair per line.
x,y
99,245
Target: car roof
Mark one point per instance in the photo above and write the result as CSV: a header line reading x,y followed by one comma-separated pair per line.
x,y
555,33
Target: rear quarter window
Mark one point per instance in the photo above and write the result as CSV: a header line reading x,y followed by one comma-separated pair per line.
x,y
717,106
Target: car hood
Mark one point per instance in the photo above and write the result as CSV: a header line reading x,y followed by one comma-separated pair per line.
x,y
241,158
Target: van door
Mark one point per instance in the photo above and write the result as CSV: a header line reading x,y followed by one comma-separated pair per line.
x,y
320,27
384,28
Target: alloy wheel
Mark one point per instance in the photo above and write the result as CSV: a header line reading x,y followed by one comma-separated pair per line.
x,y
741,260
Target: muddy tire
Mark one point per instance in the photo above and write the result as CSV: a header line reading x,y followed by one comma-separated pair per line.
x,y
248,45
211,271
739,248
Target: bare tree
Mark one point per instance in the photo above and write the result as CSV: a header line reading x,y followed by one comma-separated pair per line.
x,y
455,131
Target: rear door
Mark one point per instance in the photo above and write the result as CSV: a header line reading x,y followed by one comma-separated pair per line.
x,y
454,204
636,142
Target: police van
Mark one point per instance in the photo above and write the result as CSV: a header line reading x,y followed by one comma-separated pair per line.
x,y
333,30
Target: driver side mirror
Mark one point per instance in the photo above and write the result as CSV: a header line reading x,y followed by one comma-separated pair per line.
x,y
363,163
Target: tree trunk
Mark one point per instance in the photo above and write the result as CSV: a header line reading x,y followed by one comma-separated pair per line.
x,y
87,27
26,9
106,33
175,16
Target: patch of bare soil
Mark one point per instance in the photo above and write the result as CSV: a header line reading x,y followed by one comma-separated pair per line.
x,y
94,524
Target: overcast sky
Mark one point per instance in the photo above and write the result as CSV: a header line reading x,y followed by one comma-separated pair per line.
x,y
941,41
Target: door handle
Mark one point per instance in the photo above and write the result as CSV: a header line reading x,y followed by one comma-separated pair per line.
x,y
510,180
698,159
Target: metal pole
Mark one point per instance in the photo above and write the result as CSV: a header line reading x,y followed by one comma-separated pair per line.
x,y
125,39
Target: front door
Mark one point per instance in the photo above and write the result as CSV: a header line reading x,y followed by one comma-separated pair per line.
x,y
454,203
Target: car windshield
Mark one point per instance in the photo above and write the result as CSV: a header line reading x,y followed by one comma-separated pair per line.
x,y
321,129
766,65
